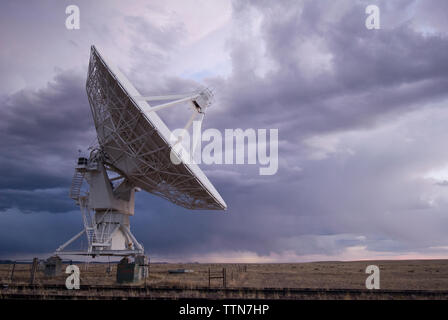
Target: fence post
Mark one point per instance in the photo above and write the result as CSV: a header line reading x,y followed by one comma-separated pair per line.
x,y
224,277
209,277
12,271
33,270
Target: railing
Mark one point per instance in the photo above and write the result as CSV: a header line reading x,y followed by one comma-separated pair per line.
x,y
75,189
87,220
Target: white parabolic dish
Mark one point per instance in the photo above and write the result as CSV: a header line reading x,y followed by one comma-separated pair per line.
x,y
136,143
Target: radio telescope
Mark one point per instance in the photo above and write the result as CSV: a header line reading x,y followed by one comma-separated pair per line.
x,y
134,152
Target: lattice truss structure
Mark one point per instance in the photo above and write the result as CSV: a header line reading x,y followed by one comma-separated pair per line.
x,y
105,208
133,146
134,152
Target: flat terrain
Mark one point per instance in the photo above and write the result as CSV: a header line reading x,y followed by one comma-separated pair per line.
x,y
395,275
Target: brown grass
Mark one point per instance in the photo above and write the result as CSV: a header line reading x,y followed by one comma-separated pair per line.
x,y
395,275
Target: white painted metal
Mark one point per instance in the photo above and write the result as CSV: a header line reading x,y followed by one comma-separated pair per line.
x,y
105,211
138,143
166,97
135,145
169,104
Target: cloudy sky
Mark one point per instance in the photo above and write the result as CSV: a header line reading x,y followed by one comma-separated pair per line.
x,y
362,118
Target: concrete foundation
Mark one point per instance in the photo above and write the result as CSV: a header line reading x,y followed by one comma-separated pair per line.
x,y
132,271
53,266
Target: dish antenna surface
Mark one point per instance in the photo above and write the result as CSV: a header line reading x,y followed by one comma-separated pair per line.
x,y
135,152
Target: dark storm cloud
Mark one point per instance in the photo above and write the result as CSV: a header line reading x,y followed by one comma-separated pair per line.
x,y
41,132
375,77
372,74
360,118
29,201
35,233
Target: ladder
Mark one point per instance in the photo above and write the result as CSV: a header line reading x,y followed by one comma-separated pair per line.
x,y
75,189
87,219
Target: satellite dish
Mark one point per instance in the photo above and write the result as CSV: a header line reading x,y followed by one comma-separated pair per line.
x,y
135,152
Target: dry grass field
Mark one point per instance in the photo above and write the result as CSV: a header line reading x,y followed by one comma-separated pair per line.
x,y
395,275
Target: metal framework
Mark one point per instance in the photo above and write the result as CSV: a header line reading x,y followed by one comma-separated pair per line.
x,y
137,142
105,209
133,153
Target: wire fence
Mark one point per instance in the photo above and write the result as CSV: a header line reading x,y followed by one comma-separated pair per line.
x,y
35,272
